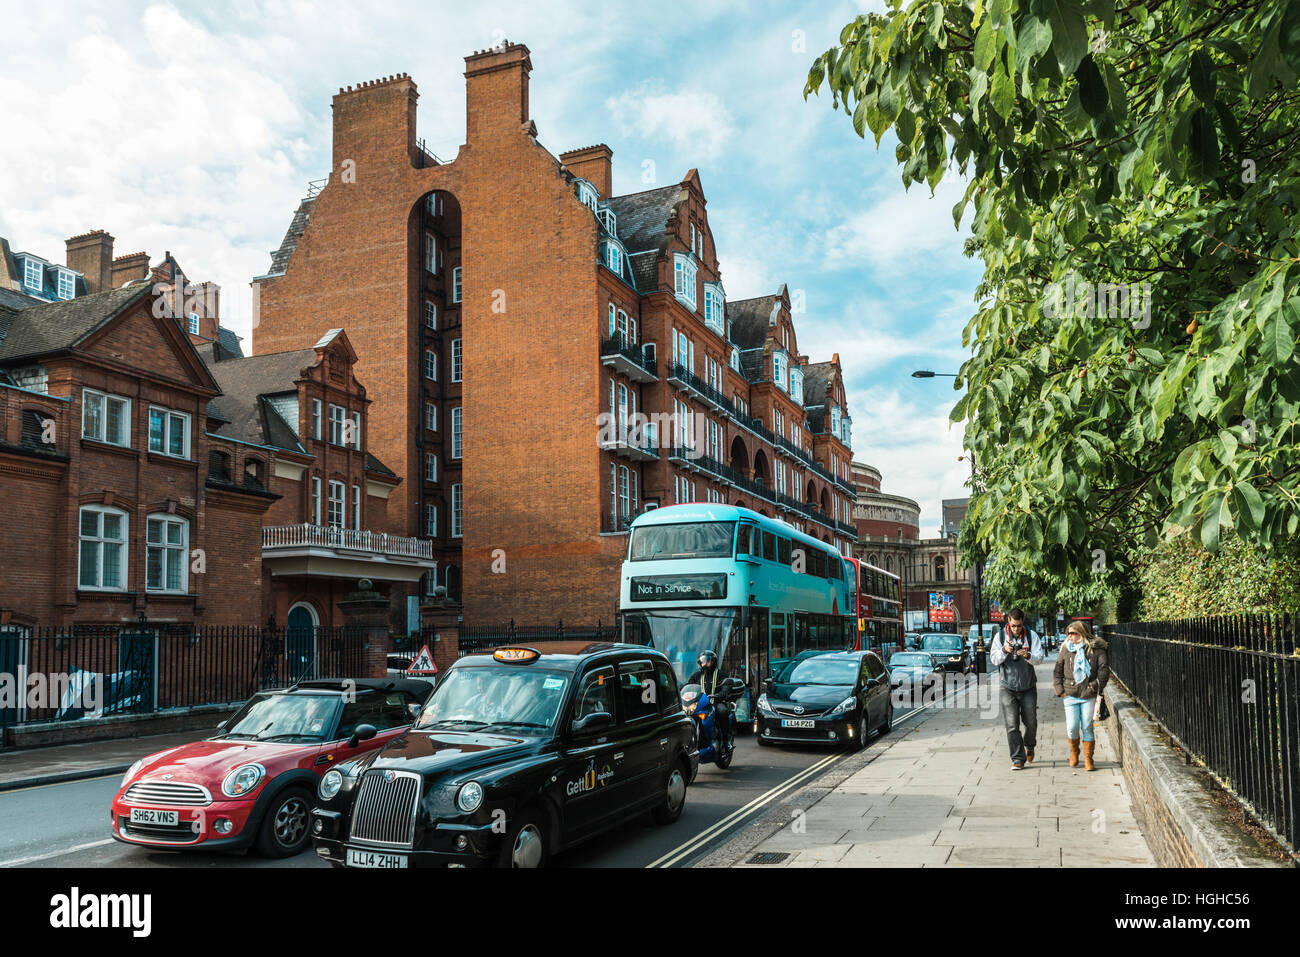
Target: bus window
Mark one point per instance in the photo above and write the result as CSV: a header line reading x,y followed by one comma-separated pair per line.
x,y
817,563
688,540
769,546
778,642
742,539
783,551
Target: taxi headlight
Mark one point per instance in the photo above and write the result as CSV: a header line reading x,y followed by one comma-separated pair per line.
x,y
330,784
469,797
131,772
242,780
848,704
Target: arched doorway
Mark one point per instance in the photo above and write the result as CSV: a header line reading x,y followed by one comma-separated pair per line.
x,y
453,583
762,471
300,641
739,455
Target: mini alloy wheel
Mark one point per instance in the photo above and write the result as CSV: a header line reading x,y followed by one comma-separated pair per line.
x,y
285,831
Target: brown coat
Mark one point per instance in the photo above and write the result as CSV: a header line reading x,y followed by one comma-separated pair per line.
x,y
1063,674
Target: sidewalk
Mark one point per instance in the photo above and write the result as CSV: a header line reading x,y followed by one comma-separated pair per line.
x,y
73,762
942,793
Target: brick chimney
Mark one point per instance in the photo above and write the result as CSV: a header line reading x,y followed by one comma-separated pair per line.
x,y
91,254
373,121
594,164
496,91
132,266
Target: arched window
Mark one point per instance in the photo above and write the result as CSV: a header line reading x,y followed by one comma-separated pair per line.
x,y
219,465
254,473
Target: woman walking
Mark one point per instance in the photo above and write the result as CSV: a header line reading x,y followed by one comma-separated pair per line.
x,y
1082,671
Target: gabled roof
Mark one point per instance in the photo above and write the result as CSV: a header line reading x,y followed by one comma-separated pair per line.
x,y
229,343
817,378
244,385
54,326
750,320
643,217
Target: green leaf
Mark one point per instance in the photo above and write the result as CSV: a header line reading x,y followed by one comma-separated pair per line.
x,y
1202,77
1210,524
1203,144
985,45
935,21
1249,504
1278,341
1115,94
1069,33
1002,94
1092,88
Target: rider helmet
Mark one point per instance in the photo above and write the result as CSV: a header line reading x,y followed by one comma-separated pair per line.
x,y
707,661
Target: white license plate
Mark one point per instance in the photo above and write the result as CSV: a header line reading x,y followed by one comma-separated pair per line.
x,y
797,723
375,859
142,815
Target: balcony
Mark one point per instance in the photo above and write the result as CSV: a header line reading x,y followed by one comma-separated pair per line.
x,y
332,552
626,444
629,359
682,379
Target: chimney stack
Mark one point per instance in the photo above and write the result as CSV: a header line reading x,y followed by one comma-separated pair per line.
x,y
91,254
496,91
132,266
594,164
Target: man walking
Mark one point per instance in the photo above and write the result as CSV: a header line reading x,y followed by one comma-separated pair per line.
x,y
1015,652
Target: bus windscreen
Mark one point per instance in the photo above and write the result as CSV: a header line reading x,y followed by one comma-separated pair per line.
x,y
684,541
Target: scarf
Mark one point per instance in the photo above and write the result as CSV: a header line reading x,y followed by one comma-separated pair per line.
x,y
1082,669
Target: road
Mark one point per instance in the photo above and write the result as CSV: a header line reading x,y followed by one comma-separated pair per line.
x,y
66,825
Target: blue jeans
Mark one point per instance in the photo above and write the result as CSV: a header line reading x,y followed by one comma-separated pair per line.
x,y
1079,714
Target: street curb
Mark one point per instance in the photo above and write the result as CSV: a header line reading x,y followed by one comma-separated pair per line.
x,y
63,777
776,817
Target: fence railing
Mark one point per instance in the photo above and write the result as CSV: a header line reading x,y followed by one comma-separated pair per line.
x,y
477,639
1227,689
331,536
100,670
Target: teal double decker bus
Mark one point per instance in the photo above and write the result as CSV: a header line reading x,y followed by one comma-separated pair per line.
x,y
754,590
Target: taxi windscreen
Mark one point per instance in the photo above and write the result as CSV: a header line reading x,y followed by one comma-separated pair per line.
x,y
495,698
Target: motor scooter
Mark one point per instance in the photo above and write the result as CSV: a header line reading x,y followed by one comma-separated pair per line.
x,y
698,706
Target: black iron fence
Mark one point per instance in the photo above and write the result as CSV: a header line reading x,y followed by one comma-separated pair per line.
x,y
1228,690
477,639
64,674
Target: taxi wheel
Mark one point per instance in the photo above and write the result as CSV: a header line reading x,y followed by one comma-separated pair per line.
x,y
286,829
525,843
674,796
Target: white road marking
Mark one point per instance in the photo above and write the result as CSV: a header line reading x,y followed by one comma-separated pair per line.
x,y
20,861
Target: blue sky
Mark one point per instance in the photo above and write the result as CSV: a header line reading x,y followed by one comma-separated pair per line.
x,y
193,129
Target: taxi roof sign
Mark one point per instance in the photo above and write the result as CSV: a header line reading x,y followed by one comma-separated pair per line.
x,y
517,655
423,664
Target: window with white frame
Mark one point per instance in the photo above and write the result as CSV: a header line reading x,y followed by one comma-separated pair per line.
x,y
693,235
315,418
796,384
455,360
621,326
430,521
431,416
835,421
684,282
456,518
613,321
165,551
431,253
431,314
68,290
102,557
587,195
356,431
169,432
778,370
614,259
315,500
338,415
105,418
735,358
846,431
455,433
356,507
431,365
194,323
430,467
608,220
338,504
33,274
715,305
455,284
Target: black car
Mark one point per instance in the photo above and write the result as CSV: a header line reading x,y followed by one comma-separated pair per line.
x,y
837,697
914,676
950,650
518,754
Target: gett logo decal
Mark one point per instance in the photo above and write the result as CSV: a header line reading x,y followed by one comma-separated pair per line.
x,y
589,781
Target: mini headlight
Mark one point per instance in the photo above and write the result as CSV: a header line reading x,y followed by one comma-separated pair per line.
x,y
469,797
330,784
848,704
130,773
241,781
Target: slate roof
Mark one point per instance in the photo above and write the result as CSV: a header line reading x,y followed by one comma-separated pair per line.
x,y
245,383
229,342
374,465
13,300
297,226
750,320
817,378
643,217
53,326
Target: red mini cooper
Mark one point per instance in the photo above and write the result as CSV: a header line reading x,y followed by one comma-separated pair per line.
x,y
254,783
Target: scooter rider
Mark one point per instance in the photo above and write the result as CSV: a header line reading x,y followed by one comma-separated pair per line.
x,y
708,677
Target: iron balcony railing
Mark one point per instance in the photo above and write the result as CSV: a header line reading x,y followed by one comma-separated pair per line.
x,y
330,536
617,345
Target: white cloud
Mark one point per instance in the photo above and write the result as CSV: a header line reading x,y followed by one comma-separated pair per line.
x,y
902,231
692,120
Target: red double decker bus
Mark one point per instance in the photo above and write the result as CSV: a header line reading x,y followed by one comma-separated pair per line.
x,y
880,607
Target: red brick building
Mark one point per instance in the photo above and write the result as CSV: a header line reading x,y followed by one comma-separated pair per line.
x,y
568,356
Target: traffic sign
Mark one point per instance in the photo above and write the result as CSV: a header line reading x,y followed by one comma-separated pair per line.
x,y
423,664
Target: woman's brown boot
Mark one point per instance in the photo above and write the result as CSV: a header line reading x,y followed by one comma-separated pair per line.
x,y
1088,747
1074,752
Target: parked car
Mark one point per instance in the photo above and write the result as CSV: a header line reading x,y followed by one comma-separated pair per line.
x,y
398,664
836,697
912,675
950,650
254,782
518,754
912,640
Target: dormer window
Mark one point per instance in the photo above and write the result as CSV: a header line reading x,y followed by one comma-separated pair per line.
x,y
33,274
796,384
779,364
67,284
715,307
587,195
613,258
846,431
735,358
608,220
684,270
835,421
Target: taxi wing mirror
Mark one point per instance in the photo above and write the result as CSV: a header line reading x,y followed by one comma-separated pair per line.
x,y
596,721
362,732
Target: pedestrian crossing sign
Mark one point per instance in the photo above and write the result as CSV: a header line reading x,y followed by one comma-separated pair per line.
x,y
423,664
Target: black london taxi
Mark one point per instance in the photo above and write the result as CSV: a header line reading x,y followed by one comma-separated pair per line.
x,y
518,754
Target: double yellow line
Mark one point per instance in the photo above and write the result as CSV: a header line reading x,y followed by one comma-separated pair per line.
x,y
695,843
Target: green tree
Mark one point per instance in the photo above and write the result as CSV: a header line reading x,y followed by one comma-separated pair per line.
x,y
1148,147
